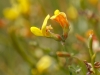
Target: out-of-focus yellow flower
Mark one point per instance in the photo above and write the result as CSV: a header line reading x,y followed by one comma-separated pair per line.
x,y
72,13
44,31
44,63
89,33
24,6
11,13
61,18
93,2
17,8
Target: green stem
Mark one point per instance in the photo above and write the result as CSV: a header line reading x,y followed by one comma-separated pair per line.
x,y
20,49
90,46
81,63
63,44
92,54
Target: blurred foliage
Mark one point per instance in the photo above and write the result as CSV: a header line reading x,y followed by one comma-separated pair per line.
x,y
23,53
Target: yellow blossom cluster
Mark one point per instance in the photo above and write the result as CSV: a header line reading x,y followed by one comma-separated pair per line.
x,y
13,12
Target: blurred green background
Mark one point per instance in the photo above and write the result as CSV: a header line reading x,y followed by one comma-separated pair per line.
x,y
23,53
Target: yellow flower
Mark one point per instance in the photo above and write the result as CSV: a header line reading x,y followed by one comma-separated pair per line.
x,y
61,18
11,13
17,9
44,31
89,33
44,63
24,6
72,13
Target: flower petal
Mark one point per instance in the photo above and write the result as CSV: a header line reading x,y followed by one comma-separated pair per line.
x,y
45,23
44,63
11,13
56,12
36,31
61,18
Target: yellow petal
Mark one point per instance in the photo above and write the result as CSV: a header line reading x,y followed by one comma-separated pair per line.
x,y
24,6
44,63
11,13
53,17
56,12
36,31
45,23
72,13
61,18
